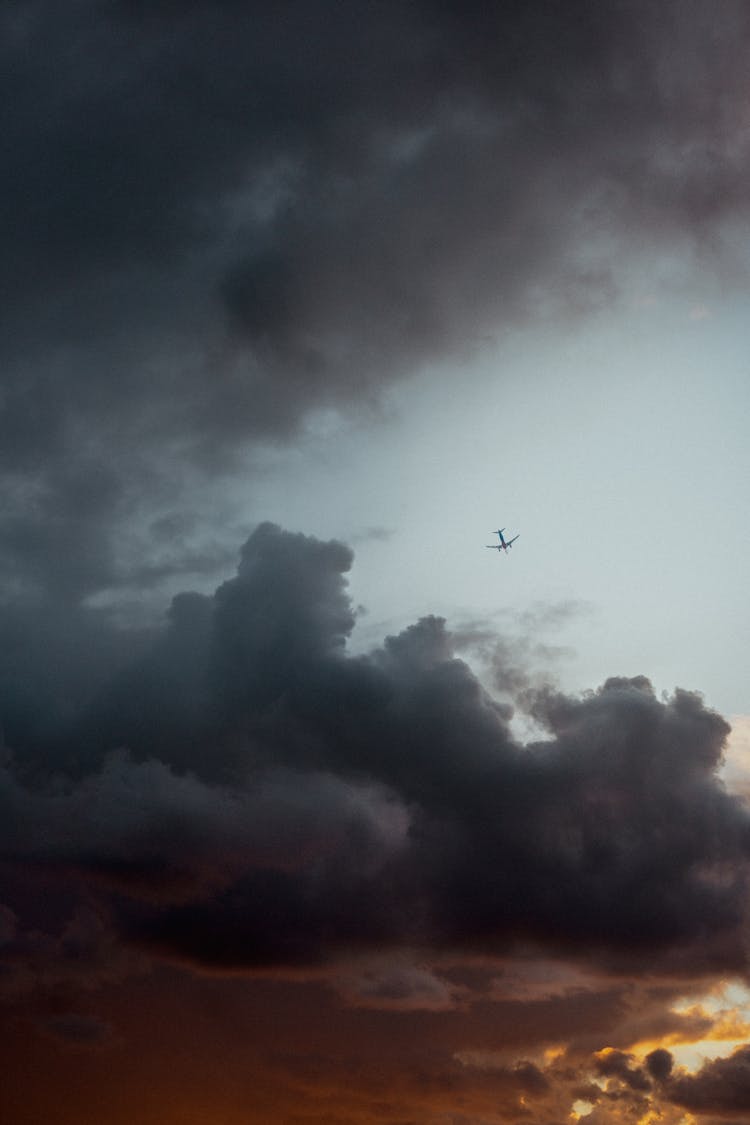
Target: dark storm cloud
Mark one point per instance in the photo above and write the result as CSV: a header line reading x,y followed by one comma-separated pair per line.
x,y
247,794
659,1064
218,217
721,1086
618,1064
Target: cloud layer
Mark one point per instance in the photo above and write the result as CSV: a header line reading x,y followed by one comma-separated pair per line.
x,y
223,217
248,795
236,796
243,871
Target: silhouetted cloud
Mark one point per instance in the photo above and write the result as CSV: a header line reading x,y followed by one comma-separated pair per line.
x,y
721,1086
659,1064
619,1064
247,795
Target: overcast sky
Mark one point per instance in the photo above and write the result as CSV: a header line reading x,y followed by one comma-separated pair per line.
x,y
312,809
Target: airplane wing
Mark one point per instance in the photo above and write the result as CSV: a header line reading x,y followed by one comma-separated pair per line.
x,y
512,540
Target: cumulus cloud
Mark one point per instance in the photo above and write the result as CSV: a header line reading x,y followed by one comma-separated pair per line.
x,y
248,795
618,1064
721,1086
659,1064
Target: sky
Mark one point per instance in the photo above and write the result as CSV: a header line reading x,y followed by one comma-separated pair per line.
x,y
314,811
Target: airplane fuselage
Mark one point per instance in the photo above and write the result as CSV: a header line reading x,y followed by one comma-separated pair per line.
x,y
504,544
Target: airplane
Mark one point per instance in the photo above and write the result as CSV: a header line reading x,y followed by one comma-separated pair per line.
x,y
504,544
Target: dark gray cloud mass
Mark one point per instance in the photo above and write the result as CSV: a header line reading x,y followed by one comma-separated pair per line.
x,y
721,1086
218,217
246,794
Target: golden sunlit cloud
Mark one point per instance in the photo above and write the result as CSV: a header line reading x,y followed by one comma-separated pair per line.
x,y
723,1017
